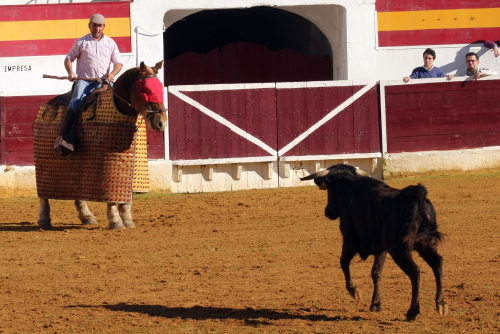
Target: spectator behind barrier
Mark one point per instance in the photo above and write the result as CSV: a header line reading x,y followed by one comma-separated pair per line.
x,y
473,69
428,70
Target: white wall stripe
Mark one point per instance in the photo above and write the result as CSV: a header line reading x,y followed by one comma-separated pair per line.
x,y
224,122
383,119
325,119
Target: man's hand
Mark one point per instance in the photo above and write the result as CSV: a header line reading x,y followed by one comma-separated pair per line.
x,y
496,51
111,77
72,77
406,79
477,75
450,76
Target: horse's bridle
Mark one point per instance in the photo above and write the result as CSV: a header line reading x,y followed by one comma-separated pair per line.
x,y
150,112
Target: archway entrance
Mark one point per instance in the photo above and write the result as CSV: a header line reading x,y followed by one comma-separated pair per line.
x,y
259,44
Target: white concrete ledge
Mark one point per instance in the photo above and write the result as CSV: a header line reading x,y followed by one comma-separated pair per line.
x,y
17,180
224,161
441,162
332,157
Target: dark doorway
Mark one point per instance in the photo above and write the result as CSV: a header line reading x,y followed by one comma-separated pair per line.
x,y
261,33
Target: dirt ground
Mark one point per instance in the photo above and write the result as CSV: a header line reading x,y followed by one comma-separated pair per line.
x,y
259,261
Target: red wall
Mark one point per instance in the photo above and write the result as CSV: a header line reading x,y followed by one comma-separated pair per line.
x,y
246,63
17,114
443,116
419,117
194,135
356,129
276,117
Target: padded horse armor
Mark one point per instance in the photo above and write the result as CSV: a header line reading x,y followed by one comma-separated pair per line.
x,y
111,160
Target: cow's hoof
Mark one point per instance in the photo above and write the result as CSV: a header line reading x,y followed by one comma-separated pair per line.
x,y
89,221
128,223
116,226
442,308
45,223
376,307
411,316
354,292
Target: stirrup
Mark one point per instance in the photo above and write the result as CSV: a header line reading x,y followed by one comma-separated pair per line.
x,y
63,147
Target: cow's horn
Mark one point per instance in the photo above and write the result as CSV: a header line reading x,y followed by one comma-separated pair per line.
x,y
361,172
316,175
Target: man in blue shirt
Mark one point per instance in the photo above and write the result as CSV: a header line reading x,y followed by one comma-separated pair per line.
x,y
428,70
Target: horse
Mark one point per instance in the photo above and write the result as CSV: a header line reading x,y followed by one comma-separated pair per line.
x,y
137,95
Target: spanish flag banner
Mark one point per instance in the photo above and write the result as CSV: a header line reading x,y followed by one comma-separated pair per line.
x,y
426,22
42,30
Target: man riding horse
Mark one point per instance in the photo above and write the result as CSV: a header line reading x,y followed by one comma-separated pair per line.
x,y
94,51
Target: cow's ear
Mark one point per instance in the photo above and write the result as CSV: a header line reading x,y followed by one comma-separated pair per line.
x,y
323,186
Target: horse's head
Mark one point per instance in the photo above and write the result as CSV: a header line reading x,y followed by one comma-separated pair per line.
x,y
147,96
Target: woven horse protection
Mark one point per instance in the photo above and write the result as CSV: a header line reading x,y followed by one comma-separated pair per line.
x,y
109,164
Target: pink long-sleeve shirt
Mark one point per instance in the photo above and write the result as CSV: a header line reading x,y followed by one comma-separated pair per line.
x,y
94,56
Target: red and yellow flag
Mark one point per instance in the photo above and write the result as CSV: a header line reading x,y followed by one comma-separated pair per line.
x,y
425,22
42,30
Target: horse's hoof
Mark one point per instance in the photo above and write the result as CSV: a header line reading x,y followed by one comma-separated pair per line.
x,y
89,221
116,226
376,307
128,224
354,293
442,308
45,223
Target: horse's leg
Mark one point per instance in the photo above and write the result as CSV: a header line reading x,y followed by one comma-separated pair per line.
x,y
125,210
84,213
44,220
115,221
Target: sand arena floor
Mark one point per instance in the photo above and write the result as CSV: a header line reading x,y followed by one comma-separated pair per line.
x,y
259,261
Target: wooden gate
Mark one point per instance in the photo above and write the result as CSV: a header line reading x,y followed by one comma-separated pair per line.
x,y
242,123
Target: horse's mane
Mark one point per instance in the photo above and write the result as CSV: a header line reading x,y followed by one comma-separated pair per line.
x,y
123,87
124,83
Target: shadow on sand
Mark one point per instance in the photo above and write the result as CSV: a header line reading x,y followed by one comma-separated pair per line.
x,y
33,227
249,315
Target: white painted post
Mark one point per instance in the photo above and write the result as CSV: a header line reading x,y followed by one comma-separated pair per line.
x,y
286,170
237,171
210,172
374,165
178,174
383,123
269,170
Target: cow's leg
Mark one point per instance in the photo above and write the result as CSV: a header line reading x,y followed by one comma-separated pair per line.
x,y
44,220
403,258
84,213
378,266
436,261
348,253
115,221
125,210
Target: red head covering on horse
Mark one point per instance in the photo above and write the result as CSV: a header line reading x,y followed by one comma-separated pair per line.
x,y
151,89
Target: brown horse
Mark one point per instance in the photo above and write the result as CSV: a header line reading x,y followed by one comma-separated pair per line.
x,y
137,92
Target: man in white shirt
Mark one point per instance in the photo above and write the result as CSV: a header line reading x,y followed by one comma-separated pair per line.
x,y
94,52
473,69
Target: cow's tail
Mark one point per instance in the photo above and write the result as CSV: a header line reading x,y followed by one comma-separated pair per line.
x,y
428,234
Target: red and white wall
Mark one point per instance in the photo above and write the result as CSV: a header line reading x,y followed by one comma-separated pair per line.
x,y
227,137
240,136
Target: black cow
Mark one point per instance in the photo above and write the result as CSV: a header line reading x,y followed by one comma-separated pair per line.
x,y
377,219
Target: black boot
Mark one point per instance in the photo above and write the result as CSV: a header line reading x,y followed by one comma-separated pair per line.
x,y
66,142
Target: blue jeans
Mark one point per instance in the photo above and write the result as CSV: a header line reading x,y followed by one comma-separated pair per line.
x,y
82,90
